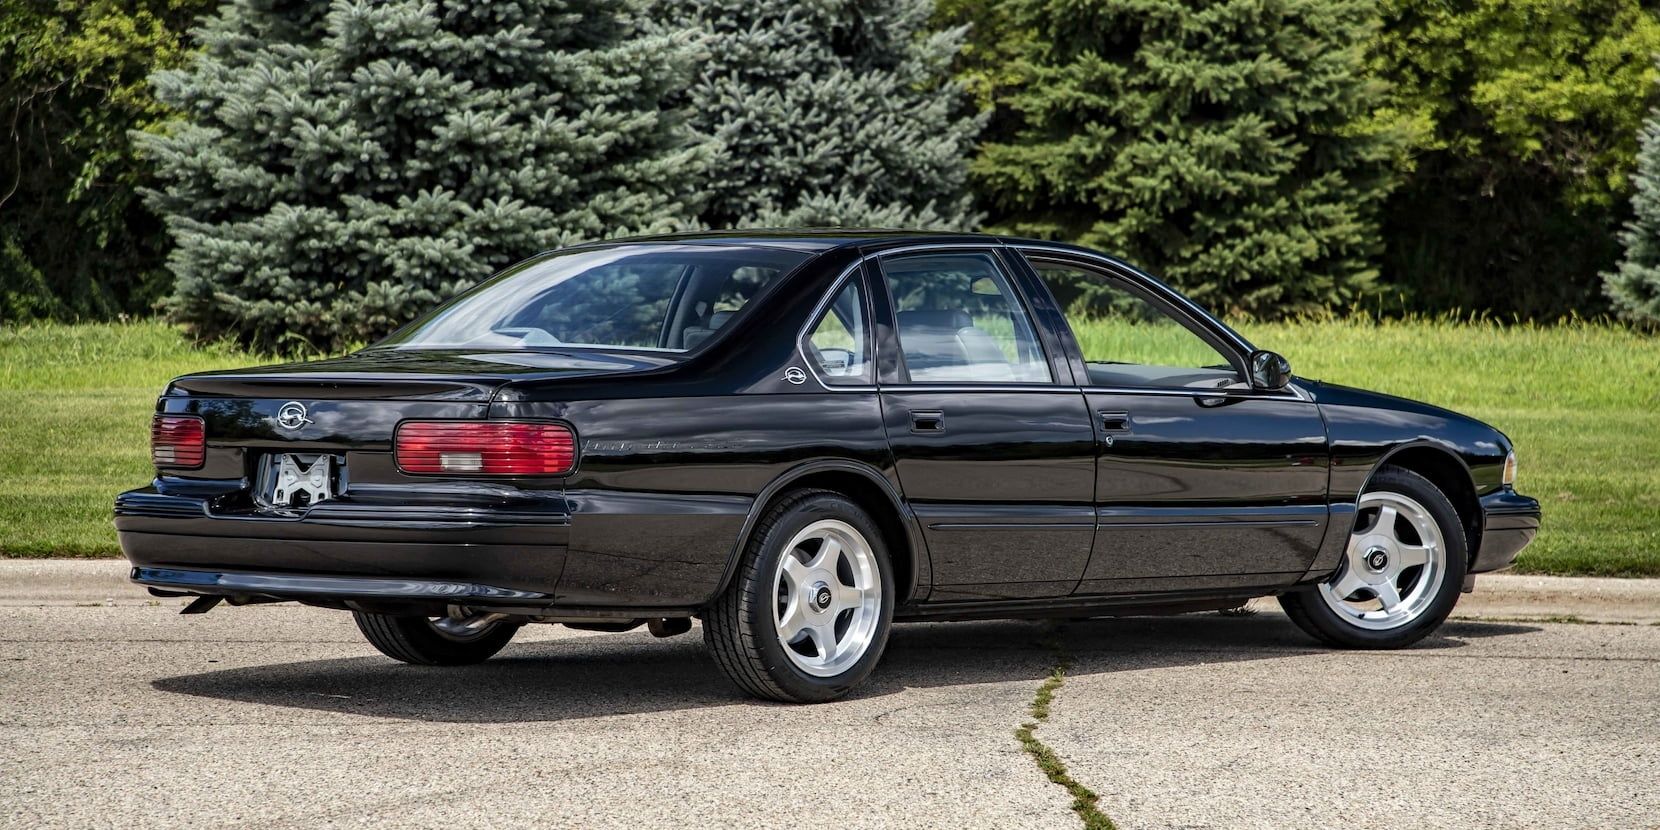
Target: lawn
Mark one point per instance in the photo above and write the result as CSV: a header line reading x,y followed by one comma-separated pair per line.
x,y
1581,401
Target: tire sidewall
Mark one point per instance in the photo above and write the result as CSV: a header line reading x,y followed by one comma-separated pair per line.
x,y
797,683
412,639
1334,628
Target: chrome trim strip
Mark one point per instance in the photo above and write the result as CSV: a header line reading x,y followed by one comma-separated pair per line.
x,y
1011,526
1104,525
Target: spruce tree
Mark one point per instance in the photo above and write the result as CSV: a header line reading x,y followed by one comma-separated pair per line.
x,y
1221,144
1634,287
833,112
340,167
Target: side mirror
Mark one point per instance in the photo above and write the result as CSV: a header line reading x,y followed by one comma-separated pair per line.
x,y
1269,370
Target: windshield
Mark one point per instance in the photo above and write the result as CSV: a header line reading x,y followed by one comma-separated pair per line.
x,y
658,297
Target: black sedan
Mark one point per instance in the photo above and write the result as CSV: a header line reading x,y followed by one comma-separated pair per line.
x,y
801,437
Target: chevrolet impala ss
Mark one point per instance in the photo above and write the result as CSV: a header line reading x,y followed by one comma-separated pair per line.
x,y
801,437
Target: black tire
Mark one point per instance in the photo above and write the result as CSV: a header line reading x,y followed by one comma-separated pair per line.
x,y
413,640
1309,610
739,627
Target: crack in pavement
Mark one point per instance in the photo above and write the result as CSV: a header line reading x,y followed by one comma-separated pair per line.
x,y
1084,800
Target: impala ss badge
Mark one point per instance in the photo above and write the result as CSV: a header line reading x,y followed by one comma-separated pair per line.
x,y
292,415
795,375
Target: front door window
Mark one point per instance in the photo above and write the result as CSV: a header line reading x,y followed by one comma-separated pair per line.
x,y
1128,340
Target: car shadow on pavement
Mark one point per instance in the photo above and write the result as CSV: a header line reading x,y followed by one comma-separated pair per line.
x,y
595,676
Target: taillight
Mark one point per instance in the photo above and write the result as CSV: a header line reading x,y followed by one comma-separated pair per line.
x,y
178,441
491,448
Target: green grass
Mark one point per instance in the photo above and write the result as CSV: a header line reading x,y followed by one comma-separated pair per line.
x,y
1581,401
75,404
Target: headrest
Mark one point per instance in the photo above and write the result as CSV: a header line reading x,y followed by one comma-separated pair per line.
x,y
935,318
719,318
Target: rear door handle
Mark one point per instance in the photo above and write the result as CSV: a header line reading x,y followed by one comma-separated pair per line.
x,y
927,420
1115,421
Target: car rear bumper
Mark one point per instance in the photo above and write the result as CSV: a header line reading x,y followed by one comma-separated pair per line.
x,y
345,550
303,586
1509,522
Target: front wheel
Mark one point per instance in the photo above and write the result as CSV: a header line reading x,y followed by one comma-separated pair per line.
x,y
807,615
441,641
1401,572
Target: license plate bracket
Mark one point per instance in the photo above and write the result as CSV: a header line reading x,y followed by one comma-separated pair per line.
x,y
299,482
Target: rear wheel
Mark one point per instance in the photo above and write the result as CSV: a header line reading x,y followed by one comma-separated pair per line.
x,y
1401,572
807,616
435,641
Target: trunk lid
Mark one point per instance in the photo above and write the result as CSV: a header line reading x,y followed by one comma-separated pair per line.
x,y
409,375
349,409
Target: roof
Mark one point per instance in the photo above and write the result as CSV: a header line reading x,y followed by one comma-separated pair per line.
x,y
814,240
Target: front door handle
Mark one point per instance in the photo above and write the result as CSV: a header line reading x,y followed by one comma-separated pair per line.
x,y
1115,421
927,420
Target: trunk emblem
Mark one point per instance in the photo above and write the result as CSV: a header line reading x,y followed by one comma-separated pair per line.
x,y
292,415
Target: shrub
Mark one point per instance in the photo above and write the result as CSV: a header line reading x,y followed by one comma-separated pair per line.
x,y
75,239
1522,120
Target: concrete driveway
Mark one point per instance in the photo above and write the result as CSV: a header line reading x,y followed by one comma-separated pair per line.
x,y
128,715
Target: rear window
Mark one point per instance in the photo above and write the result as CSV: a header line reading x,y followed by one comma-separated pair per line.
x,y
657,297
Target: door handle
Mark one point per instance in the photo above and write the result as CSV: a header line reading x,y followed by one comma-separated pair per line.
x,y
1115,421
927,420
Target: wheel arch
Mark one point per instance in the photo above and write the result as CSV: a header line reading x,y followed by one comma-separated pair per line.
x,y
1448,472
869,489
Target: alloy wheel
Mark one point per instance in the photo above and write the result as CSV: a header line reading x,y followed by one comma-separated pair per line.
x,y
828,591
1393,567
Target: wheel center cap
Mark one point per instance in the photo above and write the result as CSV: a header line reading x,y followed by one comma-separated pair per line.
x,y
1377,559
820,597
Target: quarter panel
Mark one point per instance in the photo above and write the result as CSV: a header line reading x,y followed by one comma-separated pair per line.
x,y
1366,428
665,484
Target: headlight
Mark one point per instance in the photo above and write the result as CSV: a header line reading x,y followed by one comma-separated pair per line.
x,y
1509,477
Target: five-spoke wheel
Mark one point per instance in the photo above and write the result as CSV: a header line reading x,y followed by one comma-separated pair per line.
x,y
807,616
1401,571
829,598
1394,565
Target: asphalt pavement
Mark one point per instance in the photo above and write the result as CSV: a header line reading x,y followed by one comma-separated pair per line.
x,y
125,714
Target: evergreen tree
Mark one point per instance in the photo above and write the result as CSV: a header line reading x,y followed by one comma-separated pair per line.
x,y
1634,287
830,112
1220,144
340,167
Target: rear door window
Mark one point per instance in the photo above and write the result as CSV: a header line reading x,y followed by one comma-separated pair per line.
x,y
960,320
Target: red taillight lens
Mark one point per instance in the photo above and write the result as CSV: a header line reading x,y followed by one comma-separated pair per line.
x,y
178,441
491,448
